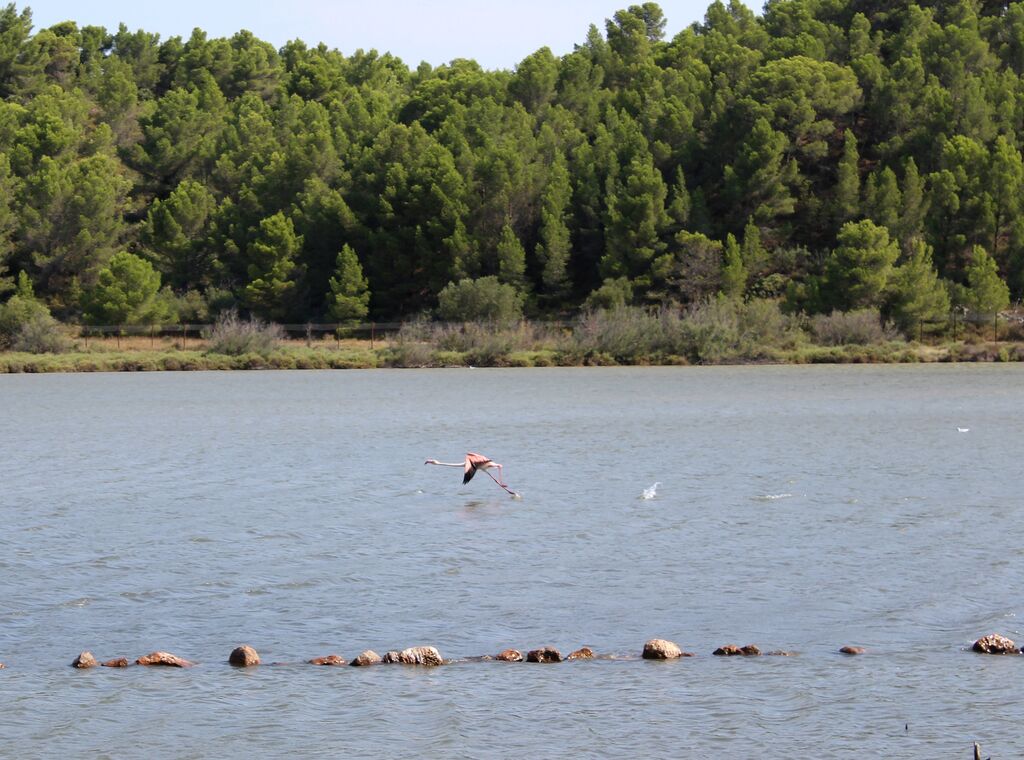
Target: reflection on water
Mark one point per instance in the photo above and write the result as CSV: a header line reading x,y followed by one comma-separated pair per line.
x,y
795,508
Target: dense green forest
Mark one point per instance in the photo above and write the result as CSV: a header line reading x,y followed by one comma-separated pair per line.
x,y
830,154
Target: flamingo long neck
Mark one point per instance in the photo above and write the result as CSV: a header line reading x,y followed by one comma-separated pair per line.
x,y
448,464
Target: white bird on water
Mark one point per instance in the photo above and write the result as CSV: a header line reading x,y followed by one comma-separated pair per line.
x,y
650,493
962,430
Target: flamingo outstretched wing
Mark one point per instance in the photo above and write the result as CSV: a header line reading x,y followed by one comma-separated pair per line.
x,y
473,461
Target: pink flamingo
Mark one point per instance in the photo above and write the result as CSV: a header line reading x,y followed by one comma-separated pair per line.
x,y
472,464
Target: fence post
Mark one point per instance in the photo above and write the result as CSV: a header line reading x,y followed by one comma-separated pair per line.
x,y
372,331
118,336
995,328
309,335
152,336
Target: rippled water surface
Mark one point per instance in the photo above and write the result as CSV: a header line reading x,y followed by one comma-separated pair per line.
x,y
799,509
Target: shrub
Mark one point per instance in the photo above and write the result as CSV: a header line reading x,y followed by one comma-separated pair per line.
x,y
710,333
234,337
41,334
613,294
859,327
20,310
483,299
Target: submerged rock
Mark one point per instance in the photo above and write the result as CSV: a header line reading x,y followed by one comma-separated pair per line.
x,y
583,653
995,644
852,650
544,654
331,660
510,655
84,660
243,657
369,657
117,662
729,650
165,659
750,650
661,649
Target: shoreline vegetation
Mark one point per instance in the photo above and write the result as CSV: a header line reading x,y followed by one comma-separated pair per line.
x,y
745,189
717,333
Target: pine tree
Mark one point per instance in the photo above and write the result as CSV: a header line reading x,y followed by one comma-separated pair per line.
x,y
1006,180
916,295
125,293
986,294
913,206
511,258
857,272
349,296
848,180
177,233
883,201
555,246
734,273
7,221
272,268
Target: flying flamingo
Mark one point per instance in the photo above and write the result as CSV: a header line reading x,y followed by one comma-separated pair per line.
x,y
472,464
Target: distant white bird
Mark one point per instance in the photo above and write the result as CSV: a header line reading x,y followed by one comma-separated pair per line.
x,y
962,430
650,493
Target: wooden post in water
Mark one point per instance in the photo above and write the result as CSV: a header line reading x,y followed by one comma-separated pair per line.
x,y
977,751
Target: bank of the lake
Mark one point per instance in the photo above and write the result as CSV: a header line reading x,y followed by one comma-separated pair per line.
x,y
361,355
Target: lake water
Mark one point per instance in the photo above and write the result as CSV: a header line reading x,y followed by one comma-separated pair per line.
x,y
799,509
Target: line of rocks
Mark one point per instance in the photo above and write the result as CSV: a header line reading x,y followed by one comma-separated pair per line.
x,y
656,649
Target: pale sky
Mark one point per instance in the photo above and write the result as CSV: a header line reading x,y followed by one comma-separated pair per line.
x,y
496,35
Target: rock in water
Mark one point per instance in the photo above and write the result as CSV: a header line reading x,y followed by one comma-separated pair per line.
x,y
852,650
544,654
420,656
164,658
243,657
995,644
84,660
661,649
729,650
369,657
510,655
583,653
330,660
